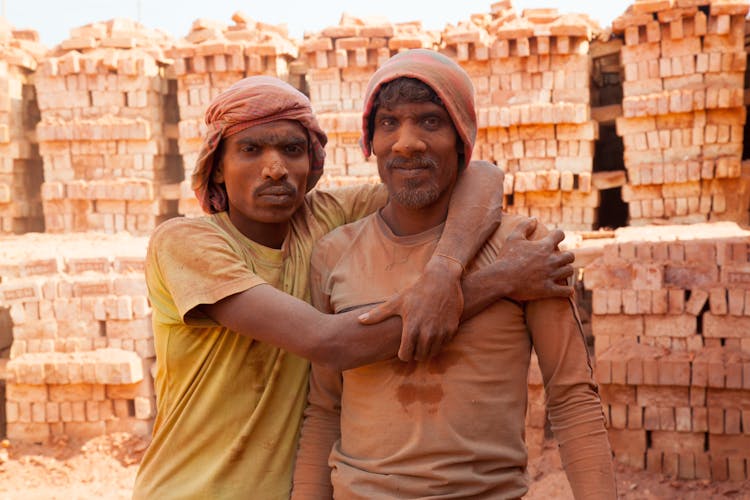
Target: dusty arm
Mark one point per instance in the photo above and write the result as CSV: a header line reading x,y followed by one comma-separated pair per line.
x,y
525,269
272,316
432,307
573,403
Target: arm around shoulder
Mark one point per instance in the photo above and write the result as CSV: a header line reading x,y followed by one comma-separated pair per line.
x,y
334,341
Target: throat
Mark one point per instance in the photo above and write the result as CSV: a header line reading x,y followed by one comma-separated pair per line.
x,y
404,221
268,234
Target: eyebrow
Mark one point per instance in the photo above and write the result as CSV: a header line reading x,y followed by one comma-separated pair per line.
x,y
273,140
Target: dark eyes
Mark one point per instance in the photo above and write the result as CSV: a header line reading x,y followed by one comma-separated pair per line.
x,y
432,122
294,149
428,122
290,149
387,122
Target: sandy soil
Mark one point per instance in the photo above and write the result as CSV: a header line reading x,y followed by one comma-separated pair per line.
x,y
105,467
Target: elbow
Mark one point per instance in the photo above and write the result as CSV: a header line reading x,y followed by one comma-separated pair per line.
x,y
488,169
336,355
327,349
329,359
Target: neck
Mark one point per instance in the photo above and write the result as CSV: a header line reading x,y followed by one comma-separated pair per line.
x,y
405,221
268,234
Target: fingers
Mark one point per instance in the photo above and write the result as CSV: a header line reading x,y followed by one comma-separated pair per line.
x,y
424,346
442,341
563,291
555,236
566,257
425,343
406,349
523,230
530,228
563,272
381,312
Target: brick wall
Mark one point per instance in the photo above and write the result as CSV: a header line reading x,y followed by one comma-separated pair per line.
x,y
671,324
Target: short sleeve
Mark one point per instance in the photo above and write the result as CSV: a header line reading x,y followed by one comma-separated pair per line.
x,y
190,263
320,293
339,206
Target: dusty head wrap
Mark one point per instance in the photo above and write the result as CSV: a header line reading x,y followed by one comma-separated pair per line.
x,y
449,81
253,101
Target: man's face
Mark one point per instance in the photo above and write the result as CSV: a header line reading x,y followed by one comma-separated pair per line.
x,y
416,148
265,169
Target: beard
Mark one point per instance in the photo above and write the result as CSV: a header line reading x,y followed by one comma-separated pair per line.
x,y
415,194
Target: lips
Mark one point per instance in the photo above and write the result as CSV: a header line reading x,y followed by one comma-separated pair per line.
x,y
411,164
276,194
276,191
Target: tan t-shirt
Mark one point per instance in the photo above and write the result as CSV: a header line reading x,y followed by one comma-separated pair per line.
x,y
228,406
451,427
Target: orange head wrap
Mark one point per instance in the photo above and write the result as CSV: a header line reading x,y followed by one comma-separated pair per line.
x,y
449,81
253,101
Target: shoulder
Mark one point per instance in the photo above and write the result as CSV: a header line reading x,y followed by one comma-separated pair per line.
x,y
343,236
183,233
179,225
344,192
329,249
345,198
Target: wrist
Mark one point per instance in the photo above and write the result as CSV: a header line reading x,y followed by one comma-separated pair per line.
x,y
504,281
447,264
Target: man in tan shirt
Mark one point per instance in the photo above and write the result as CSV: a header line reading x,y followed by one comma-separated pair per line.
x,y
452,426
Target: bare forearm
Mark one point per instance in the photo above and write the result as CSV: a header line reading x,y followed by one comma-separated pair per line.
x,y
474,211
484,287
351,344
338,341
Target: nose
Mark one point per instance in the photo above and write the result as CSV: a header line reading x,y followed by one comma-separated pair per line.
x,y
274,166
408,141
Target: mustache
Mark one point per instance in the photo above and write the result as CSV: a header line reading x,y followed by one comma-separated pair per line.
x,y
418,162
276,188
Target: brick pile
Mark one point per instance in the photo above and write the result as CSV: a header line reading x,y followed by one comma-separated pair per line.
x,y
671,323
207,61
101,96
20,166
532,73
340,61
683,110
82,347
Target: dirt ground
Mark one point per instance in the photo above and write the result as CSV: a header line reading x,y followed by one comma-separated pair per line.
x,y
105,468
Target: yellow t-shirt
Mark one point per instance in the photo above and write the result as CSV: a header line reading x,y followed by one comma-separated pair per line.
x,y
229,407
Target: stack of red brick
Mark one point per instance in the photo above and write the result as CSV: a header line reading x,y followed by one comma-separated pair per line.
x,y
207,61
671,316
20,165
340,61
534,117
82,346
683,110
101,135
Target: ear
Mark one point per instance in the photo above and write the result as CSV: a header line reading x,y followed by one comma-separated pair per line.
x,y
218,174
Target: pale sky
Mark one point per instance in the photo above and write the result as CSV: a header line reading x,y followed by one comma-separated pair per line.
x,y
53,19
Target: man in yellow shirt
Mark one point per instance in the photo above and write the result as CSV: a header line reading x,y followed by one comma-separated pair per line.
x,y
232,351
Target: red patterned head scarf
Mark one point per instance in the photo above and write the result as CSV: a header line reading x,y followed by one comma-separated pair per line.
x,y
449,81
253,101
